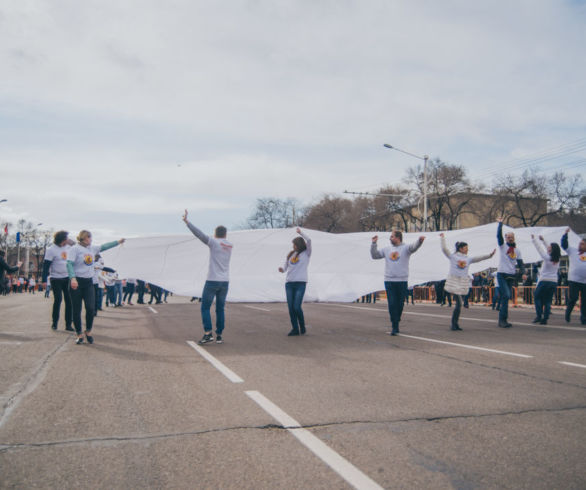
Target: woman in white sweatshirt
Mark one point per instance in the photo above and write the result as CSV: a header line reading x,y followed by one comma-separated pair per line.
x,y
548,279
296,280
458,282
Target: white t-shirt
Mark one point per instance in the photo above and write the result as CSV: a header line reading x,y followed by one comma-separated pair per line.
x,y
83,259
577,271
58,257
396,260
549,269
296,265
508,261
220,253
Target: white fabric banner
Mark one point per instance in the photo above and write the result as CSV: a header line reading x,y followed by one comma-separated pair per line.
x,y
340,269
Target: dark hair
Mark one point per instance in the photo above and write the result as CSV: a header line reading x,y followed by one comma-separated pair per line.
x,y
398,234
556,253
60,237
301,246
221,232
460,245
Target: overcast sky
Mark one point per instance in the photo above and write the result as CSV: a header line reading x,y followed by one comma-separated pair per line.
x,y
115,115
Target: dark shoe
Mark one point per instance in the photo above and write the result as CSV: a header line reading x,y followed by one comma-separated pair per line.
x,y
219,339
537,319
90,339
54,327
568,315
505,324
293,332
79,341
394,332
302,330
206,339
70,328
455,327
543,322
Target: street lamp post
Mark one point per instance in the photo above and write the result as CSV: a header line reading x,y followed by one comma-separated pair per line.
x,y
424,158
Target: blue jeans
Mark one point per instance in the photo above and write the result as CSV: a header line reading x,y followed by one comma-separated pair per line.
x,y
211,290
543,296
505,282
295,292
118,293
396,293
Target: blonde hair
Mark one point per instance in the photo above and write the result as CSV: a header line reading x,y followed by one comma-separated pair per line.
x,y
82,235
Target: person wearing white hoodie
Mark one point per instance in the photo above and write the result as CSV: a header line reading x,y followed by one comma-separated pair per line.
x,y
458,281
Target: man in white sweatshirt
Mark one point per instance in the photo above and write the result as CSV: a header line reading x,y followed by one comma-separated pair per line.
x,y
396,257
216,285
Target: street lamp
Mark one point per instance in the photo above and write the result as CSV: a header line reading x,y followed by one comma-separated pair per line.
x,y
424,158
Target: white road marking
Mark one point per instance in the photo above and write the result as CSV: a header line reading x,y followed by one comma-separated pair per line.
x,y
256,308
486,320
340,465
466,346
573,364
10,342
231,375
152,309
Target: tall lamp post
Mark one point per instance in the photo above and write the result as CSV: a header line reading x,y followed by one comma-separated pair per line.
x,y
424,158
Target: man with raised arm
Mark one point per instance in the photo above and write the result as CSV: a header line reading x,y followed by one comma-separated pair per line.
x,y
216,285
576,277
510,259
396,257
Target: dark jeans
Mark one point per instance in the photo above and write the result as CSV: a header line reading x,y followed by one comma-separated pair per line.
x,y
60,289
576,289
211,290
140,287
129,292
543,297
459,299
84,292
99,296
505,282
396,292
295,292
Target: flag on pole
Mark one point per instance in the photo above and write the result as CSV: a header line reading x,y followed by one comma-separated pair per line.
x,y
6,229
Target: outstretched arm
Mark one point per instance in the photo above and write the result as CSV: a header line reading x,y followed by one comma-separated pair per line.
x,y
565,243
375,253
415,245
307,241
195,230
444,246
109,245
499,233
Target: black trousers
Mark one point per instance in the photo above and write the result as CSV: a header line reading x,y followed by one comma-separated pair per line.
x,y
396,293
576,289
84,292
60,289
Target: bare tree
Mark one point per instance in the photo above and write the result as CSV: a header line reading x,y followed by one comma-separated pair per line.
x,y
272,212
331,214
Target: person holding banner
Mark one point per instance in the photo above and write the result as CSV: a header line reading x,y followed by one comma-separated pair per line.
x,y
548,279
296,281
576,277
510,259
396,257
458,282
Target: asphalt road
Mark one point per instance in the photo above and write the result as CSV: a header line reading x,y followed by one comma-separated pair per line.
x,y
345,405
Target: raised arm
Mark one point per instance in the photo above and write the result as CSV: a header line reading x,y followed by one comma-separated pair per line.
x,y
499,233
480,258
307,241
195,230
539,248
444,246
109,245
564,242
415,245
375,253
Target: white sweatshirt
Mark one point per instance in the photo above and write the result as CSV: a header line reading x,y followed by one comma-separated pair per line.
x,y
396,259
296,265
220,253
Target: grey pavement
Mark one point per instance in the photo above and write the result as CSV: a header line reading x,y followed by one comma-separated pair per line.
x,y
482,408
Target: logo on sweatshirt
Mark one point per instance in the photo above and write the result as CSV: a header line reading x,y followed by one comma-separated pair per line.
x,y
64,255
88,259
295,259
461,264
583,257
394,256
512,255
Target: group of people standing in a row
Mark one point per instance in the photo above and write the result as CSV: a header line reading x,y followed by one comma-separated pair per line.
x,y
396,276
72,270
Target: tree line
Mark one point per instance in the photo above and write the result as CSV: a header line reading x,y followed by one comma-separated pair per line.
x,y
532,198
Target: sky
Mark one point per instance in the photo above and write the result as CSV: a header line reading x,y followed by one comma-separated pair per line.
x,y
117,116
